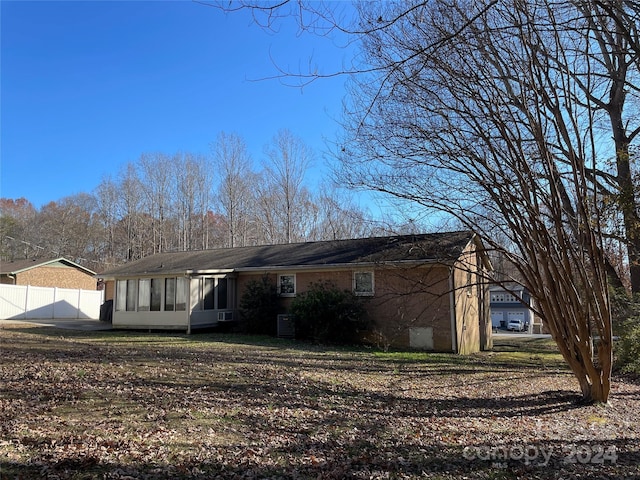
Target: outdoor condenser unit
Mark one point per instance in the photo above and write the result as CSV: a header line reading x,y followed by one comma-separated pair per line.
x,y
286,328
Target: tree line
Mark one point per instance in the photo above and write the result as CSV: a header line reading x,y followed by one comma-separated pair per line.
x,y
185,201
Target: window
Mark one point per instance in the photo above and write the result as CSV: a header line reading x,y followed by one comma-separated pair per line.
x,y
363,283
222,293
287,285
144,294
214,293
175,294
121,295
181,294
131,295
207,294
156,294
169,294
503,297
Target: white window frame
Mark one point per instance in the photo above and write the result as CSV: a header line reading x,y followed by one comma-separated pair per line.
x,y
503,297
364,293
280,278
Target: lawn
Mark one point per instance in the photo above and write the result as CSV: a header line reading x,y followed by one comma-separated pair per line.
x,y
114,405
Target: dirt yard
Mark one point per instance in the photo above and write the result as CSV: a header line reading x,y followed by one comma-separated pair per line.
x,y
114,405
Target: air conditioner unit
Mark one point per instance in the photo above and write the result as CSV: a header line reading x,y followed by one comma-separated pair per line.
x,y
286,327
225,316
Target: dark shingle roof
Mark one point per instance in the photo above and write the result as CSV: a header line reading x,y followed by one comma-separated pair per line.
x,y
16,266
431,247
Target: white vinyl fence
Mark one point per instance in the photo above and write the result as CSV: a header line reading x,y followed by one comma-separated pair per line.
x,y
19,302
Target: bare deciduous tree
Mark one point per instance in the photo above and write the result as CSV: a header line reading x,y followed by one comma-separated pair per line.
x,y
490,128
158,189
17,229
338,217
67,227
193,184
289,160
236,188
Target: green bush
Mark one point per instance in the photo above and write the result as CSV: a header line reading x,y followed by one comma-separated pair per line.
x,y
326,314
626,323
628,350
259,307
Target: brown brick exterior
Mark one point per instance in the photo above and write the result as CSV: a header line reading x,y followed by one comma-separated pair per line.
x,y
404,298
109,289
56,276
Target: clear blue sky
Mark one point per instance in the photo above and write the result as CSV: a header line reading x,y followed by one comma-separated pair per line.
x,y
88,86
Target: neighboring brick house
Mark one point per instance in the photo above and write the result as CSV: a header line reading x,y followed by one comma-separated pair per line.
x,y
422,291
56,272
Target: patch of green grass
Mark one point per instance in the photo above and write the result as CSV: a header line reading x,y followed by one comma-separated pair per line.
x,y
406,358
525,352
525,345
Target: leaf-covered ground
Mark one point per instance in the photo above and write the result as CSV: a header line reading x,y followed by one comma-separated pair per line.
x,y
113,405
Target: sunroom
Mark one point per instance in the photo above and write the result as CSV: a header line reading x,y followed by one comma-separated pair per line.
x,y
174,302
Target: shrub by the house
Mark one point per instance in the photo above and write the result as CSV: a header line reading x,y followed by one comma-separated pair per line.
x,y
259,307
326,314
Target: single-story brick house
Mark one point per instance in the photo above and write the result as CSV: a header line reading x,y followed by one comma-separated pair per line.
x,y
422,291
51,272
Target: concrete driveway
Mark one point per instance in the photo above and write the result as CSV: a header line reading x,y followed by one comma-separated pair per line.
x,y
62,323
505,334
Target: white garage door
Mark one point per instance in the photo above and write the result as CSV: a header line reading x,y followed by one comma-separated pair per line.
x,y
497,318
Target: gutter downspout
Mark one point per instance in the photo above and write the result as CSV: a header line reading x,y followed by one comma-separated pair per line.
x,y
452,308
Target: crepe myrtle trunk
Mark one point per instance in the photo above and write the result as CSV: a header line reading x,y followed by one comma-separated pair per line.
x,y
572,298
590,361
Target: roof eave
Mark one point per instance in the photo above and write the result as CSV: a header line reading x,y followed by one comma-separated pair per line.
x,y
276,268
333,266
48,262
167,273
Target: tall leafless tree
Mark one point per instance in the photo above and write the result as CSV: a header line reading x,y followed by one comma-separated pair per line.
x,y
67,227
18,237
158,190
338,216
236,188
132,228
193,186
289,159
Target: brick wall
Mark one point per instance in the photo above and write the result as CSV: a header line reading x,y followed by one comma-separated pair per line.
x,y
412,298
404,298
56,276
